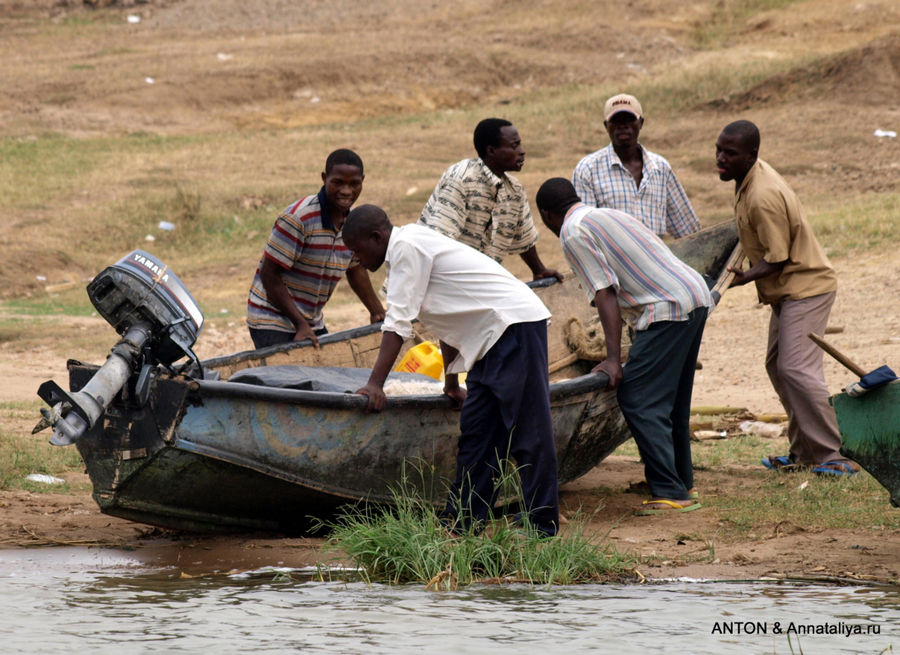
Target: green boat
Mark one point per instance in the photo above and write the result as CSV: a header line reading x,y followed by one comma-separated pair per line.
x,y
870,432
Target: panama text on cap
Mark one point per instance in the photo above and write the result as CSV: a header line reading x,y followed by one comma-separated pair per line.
x,y
622,102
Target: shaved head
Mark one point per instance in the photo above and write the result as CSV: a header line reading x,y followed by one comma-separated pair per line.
x,y
556,195
363,221
367,232
746,132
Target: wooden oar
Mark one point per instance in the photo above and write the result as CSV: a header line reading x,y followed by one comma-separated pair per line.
x,y
725,278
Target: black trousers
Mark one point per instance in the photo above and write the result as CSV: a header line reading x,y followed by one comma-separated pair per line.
x,y
266,338
507,415
655,398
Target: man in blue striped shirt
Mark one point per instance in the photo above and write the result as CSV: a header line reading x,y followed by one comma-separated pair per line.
x,y
630,273
626,176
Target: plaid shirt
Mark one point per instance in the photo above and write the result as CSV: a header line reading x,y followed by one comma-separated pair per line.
x,y
477,208
660,203
312,257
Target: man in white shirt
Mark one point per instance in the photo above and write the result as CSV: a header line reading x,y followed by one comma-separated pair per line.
x,y
489,324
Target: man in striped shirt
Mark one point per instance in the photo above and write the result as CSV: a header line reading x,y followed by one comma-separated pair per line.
x,y
479,204
304,259
626,176
629,272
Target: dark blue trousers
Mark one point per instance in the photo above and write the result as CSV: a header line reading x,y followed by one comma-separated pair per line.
x,y
507,415
655,398
266,338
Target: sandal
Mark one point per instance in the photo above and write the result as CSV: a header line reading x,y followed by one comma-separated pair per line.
x,y
665,506
782,463
834,468
642,487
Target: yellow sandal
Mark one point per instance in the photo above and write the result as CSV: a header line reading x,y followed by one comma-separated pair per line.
x,y
669,507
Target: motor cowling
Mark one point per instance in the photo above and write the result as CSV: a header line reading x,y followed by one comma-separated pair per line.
x,y
159,322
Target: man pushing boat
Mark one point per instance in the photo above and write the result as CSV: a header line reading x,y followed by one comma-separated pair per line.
x,y
305,258
489,324
629,272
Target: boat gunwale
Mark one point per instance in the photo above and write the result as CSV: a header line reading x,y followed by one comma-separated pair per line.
x,y
590,383
332,337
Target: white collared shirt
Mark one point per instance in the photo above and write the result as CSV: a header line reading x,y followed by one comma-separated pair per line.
x,y
466,298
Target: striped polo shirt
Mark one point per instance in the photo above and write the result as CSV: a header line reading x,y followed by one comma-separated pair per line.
x,y
477,208
607,248
313,259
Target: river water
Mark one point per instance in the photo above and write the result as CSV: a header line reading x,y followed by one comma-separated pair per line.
x,y
91,600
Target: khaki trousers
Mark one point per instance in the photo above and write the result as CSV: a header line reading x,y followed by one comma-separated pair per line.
x,y
795,367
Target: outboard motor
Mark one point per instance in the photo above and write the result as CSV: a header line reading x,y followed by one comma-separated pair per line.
x,y
159,322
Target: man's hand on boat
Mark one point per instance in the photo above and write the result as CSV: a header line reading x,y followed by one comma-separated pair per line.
x,y
306,332
613,369
455,392
375,394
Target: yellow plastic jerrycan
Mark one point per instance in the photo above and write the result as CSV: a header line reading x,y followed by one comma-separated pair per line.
x,y
424,358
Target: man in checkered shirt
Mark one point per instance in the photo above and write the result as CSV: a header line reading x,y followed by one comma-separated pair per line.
x,y
626,176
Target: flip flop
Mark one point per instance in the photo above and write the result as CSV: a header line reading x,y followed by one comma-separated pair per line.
x,y
834,468
782,463
642,487
669,507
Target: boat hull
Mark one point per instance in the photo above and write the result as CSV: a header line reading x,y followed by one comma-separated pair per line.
x,y
222,456
870,433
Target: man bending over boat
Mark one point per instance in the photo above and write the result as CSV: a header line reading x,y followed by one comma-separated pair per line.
x,y
628,271
489,324
304,259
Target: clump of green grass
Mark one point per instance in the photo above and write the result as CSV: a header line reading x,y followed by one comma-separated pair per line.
x,y
407,542
811,502
862,223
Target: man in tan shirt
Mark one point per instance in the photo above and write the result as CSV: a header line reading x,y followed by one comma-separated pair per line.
x,y
793,276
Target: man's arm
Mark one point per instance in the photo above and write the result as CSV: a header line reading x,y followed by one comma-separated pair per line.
x,y
584,185
759,270
279,296
538,270
362,286
611,320
391,342
451,380
680,217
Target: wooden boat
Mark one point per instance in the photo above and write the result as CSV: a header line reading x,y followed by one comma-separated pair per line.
x,y
217,454
870,433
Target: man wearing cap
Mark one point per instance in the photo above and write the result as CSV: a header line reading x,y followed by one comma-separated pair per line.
x,y
479,204
793,275
626,176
